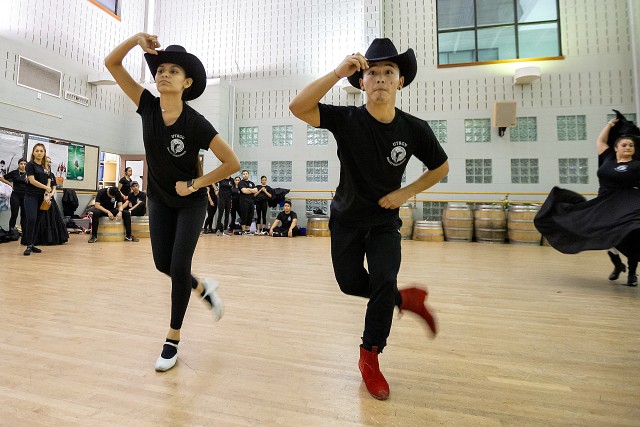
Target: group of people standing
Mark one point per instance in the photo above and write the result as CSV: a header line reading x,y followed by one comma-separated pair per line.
x,y
33,199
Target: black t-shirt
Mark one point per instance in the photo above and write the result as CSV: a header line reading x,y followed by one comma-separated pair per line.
x,y
108,202
212,194
225,186
41,175
235,192
613,175
173,151
373,157
246,184
286,219
126,186
133,200
261,195
19,180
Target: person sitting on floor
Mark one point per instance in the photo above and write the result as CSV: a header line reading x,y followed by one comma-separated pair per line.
x,y
286,224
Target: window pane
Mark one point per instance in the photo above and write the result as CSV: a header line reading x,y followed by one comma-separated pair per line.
x,y
457,47
496,43
455,14
537,10
494,12
538,40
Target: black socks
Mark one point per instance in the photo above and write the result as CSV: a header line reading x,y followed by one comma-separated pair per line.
x,y
168,351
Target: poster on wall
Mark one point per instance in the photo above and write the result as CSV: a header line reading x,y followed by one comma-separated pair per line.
x,y
75,163
67,158
11,149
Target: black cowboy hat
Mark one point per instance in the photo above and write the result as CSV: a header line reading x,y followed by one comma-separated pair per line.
x,y
624,127
384,50
175,54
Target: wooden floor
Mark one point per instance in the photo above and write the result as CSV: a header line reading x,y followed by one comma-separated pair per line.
x,y
528,337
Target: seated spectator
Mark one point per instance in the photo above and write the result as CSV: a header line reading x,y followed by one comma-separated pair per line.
x,y
109,203
137,201
286,223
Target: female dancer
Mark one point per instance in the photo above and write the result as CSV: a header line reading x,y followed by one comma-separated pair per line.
x,y
173,134
39,184
51,229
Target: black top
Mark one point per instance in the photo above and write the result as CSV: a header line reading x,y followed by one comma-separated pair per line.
x,y
373,157
126,186
18,179
261,195
172,151
286,219
225,186
246,184
613,175
108,202
133,199
42,176
212,193
235,192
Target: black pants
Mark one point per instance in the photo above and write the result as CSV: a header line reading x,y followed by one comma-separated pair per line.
x,y
17,204
381,246
211,212
261,211
33,215
174,234
97,214
246,211
224,205
284,232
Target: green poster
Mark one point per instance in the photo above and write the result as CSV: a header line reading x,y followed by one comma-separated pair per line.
x,y
75,165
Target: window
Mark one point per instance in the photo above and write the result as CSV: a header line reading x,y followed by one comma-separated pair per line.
x,y
478,171
317,136
282,135
524,171
477,130
313,204
317,171
571,128
573,171
110,6
439,128
629,116
432,211
252,168
281,171
471,31
526,129
249,137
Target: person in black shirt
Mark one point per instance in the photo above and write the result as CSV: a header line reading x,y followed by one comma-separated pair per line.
x,y
173,135
247,190
286,223
109,203
235,204
137,201
212,207
39,183
17,179
124,185
51,229
375,142
224,203
262,198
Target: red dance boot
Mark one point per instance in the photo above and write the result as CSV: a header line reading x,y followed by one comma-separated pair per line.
x,y
413,299
373,378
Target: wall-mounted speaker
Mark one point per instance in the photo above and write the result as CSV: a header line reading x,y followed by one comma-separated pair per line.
x,y
504,115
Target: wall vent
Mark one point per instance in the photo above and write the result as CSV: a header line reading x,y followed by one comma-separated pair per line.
x,y
41,78
70,96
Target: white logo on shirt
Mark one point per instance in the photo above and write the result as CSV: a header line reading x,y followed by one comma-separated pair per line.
x,y
621,168
398,153
176,147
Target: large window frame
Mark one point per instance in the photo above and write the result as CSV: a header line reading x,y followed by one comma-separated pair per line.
x,y
111,7
475,28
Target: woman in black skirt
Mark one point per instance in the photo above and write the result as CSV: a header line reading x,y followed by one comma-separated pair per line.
x,y
51,229
173,134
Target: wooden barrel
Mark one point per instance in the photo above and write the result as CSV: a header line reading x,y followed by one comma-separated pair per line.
x,y
406,215
110,231
140,226
522,231
490,224
457,221
318,227
428,231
